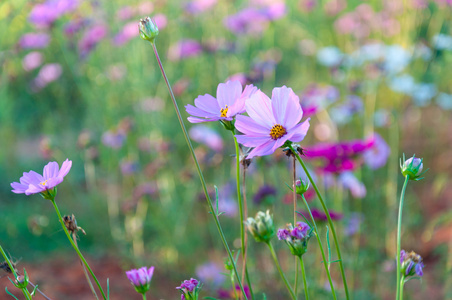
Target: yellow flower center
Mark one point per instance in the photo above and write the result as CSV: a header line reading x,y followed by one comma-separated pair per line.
x,y
43,183
277,132
224,112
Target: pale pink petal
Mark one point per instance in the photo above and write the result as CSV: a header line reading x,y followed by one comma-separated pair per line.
x,y
31,178
263,149
34,189
19,188
259,108
194,111
286,107
53,182
50,170
198,120
299,131
208,103
228,93
280,142
250,127
65,168
252,141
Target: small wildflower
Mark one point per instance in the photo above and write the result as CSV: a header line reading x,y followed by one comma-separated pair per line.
x,y
189,289
296,237
148,29
411,263
412,167
261,227
141,278
33,183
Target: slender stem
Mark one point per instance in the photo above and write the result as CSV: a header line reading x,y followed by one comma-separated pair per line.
x,y
239,199
77,250
13,270
198,169
278,266
402,283
399,233
330,222
295,285
144,296
74,237
325,262
303,272
236,295
245,211
39,291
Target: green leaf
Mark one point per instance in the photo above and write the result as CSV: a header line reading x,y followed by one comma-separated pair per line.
x,y
329,247
6,289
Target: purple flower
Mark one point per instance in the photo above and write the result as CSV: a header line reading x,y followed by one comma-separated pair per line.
x,y
208,136
33,183
199,6
230,101
263,192
247,21
45,14
410,260
339,157
183,49
353,224
113,139
210,272
321,216
141,278
188,285
377,156
296,237
32,60
356,187
128,32
271,122
91,38
47,74
233,293
34,41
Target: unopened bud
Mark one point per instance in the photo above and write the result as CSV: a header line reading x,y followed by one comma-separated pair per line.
x,y
412,167
301,186
148,29
411,264
261,227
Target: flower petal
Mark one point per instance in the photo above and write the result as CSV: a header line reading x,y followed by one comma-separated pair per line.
x,y
248,126
286,107
50,170
252,141
31,178
194,111
259,108
228,93
299,131
65,168
19,188
53,182
208,103
263,149
34,189
198,120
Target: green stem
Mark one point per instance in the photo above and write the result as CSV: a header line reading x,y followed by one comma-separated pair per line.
x,y
330,222
325,262
402,283
303,272
77,250
399,233
278,266
16,277
74,237
144,296
295,286
198,169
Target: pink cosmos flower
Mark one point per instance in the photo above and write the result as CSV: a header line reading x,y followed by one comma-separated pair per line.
x,y
230,101
271,122
33,183
141,278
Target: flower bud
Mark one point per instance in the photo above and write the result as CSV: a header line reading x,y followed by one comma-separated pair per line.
x,y
141,278
148,29
261,227
22,281
301,186
412,167
189,289
296,238
411,264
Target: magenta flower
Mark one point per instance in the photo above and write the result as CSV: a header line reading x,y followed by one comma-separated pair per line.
x,y
230,101
271,122
33,183
91,38
141,278
339,157
34,41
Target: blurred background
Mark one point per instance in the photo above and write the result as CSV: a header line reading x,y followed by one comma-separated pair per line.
x,y
77,82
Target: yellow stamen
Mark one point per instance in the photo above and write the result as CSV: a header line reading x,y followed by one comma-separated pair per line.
x,y
277,132
43,183
224,112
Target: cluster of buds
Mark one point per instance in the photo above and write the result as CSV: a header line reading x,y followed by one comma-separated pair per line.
x,y
412,167
296,238
261,227
411,264
141,278
301,186
189,289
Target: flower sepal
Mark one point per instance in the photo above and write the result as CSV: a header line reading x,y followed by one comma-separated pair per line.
x,y
412,167
21,282
301,186
228,125
49,194
296,237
